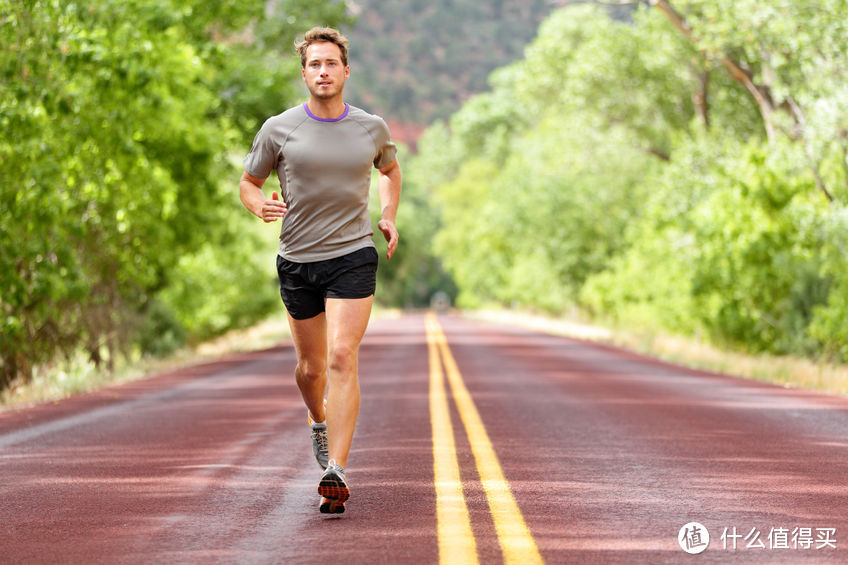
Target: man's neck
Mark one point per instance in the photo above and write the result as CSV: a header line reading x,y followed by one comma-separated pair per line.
x,y
326,109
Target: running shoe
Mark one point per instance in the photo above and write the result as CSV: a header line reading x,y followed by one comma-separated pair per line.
x,y
334,489
330,506
320,446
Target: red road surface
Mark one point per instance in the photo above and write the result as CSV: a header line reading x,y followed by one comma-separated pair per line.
x,y
607,454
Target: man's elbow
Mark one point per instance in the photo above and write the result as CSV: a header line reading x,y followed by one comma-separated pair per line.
x,y
247,177
391,169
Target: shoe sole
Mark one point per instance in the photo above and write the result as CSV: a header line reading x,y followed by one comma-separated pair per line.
x,y
333,488
330,506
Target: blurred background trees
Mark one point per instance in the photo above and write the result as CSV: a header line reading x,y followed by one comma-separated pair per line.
x,y
685,170
660,165
123,123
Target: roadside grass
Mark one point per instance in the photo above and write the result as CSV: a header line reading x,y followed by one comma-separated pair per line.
x,y
785,371
78,375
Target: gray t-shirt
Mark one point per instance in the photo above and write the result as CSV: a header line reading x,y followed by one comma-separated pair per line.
x,y
324,167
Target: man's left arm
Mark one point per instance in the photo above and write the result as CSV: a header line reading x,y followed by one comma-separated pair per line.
x,y
389,184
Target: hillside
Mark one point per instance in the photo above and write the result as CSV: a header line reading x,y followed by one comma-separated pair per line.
x,y
415,62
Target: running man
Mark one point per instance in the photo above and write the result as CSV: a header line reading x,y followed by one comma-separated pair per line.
x,y
323,151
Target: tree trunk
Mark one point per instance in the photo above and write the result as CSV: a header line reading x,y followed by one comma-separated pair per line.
x,y
701,98
760,94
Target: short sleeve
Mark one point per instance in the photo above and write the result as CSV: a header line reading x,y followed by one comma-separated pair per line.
x,y
263,155
386,149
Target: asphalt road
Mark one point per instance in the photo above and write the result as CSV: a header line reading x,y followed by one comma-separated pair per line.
x,y
474,443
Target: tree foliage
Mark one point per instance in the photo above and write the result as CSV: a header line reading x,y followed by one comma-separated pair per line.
x,y
628,169
120,120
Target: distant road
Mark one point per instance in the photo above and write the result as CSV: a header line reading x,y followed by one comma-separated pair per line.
x,y
475,443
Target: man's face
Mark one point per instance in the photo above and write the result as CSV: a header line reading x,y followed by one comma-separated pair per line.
x,y
324,73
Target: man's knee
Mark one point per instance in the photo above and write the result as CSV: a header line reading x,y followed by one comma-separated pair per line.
x,y
310,370
343,360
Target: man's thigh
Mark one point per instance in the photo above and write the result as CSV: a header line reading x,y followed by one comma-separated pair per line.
x,y
310,339
347,319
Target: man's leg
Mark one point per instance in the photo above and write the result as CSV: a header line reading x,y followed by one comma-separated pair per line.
x,y
346,321
310,344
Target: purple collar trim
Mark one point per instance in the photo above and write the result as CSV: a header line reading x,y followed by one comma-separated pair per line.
x,y
314,117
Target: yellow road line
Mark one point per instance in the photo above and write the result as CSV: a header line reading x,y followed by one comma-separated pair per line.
x,y
516,541
456,540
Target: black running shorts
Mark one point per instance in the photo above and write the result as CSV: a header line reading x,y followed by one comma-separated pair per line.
x,y
305,286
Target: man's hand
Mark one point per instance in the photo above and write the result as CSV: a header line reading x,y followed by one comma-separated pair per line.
x,y
389,186
250,190
391,235
273,208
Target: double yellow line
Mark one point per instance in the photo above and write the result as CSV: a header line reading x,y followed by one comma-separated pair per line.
x,y
456,538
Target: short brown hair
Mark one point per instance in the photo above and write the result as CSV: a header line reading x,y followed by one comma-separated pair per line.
x,y
318,35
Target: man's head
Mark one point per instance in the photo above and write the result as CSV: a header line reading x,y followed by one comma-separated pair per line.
x,y
322,35
323,56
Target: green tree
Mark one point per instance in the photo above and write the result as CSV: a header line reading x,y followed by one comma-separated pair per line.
x,y
685,170
119,121
548,211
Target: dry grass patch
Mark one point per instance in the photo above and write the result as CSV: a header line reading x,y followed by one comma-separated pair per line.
x,y
787,371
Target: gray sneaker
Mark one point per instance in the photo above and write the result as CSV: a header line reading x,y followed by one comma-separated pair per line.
x,y
320,445
333,489
319,442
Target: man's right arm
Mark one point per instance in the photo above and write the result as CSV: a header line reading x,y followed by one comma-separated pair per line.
x,y
268,210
